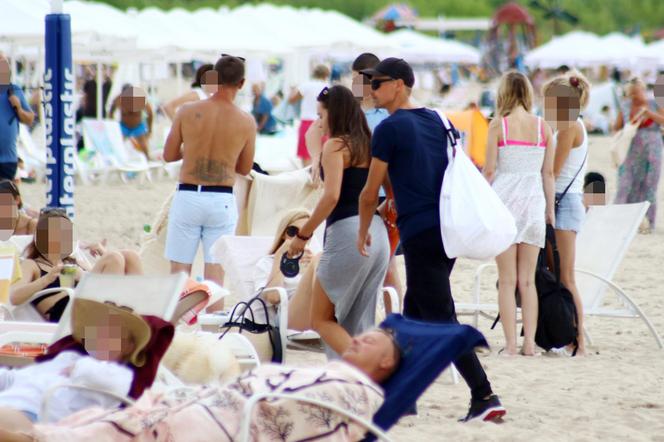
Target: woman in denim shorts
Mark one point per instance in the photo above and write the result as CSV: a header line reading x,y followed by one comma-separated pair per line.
x,y
564,97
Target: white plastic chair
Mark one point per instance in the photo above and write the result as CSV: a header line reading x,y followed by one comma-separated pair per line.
x,y
601,246
33,156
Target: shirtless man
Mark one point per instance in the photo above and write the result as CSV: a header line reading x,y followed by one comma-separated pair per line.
x,y
219,141
132,103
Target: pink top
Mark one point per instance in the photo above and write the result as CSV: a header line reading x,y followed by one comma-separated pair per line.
x,y
541,141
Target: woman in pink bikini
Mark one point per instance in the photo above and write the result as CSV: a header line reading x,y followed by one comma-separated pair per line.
x,y
519,164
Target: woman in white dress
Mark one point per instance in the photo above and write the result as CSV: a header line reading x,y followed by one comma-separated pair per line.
x,y
519,164
564,97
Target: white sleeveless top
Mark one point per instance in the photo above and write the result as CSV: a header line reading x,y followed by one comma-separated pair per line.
x,y
575,159
200,92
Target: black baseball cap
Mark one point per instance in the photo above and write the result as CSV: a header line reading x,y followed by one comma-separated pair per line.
x,y
392,67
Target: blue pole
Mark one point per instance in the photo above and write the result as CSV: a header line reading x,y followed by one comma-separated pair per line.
x,y
59,113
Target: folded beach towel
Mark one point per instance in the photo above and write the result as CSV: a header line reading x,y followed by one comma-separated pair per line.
x,y
272,196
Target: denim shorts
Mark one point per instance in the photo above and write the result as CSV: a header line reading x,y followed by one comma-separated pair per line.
x,y
571,212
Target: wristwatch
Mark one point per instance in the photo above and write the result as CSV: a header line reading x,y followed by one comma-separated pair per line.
x,y
302,237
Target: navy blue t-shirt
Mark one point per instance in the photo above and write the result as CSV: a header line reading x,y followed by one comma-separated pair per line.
x,y
413,143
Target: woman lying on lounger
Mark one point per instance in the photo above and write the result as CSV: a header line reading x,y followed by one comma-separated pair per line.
x,y
267,273
114,339
215,413
48,255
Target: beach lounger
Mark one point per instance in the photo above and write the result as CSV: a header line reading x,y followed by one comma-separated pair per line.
x,y
426,350
33,156
601,246
239,254
103,139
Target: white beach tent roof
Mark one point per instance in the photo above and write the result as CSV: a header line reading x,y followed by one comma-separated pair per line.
x,y
22,21
628,52
98,30
416,47
575,49
656,50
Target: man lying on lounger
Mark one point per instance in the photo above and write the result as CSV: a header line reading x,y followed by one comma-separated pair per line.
x,y
215,413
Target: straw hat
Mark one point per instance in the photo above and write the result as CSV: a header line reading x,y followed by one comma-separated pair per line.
x,y
88,313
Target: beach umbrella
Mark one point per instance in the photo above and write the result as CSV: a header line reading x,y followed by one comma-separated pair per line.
x,y
388,17
59,110
396,12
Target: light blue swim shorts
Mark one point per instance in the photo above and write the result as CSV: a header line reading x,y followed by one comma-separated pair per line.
x,y
198,216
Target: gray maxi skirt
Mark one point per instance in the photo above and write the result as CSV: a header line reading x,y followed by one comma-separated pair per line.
x,y
350,280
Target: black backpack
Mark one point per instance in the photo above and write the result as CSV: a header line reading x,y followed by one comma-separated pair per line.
x,y
557,324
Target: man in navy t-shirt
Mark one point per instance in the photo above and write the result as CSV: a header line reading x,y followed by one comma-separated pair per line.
x,y
14,109
410,146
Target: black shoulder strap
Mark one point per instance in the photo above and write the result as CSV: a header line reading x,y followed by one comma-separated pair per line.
x,y
551,239
451,133
562,195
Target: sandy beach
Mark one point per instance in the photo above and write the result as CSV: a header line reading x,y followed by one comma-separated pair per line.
x,y
616,393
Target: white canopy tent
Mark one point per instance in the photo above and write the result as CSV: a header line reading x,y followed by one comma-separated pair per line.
x,y
416,47
629,52
656,50
575,49
584,50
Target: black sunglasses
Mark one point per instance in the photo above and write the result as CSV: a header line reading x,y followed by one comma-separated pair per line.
x,y
239,58
292,231
376,82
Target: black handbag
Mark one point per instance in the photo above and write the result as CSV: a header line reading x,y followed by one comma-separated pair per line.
x,y
242,318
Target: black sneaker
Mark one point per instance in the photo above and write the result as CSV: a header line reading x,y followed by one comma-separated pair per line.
x,y
485,410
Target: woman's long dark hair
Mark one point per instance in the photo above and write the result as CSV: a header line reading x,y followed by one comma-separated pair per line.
x,y
347,122
32,251
199,74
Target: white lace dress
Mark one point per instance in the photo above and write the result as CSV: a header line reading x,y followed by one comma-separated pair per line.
x,y
518,183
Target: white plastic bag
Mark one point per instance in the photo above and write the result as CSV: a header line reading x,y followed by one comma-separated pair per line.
x,y
474,222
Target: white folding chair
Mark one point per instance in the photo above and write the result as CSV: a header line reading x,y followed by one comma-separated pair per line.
x,y
601,246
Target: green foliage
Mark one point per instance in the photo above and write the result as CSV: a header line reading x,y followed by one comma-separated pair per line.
x,y
599,16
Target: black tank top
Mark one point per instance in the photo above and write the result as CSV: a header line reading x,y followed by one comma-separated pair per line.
x,y
353,182
52,285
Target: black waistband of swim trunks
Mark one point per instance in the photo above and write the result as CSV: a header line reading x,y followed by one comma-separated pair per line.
x,y
199,188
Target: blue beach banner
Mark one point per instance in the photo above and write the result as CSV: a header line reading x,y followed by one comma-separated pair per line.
x,y
59,113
